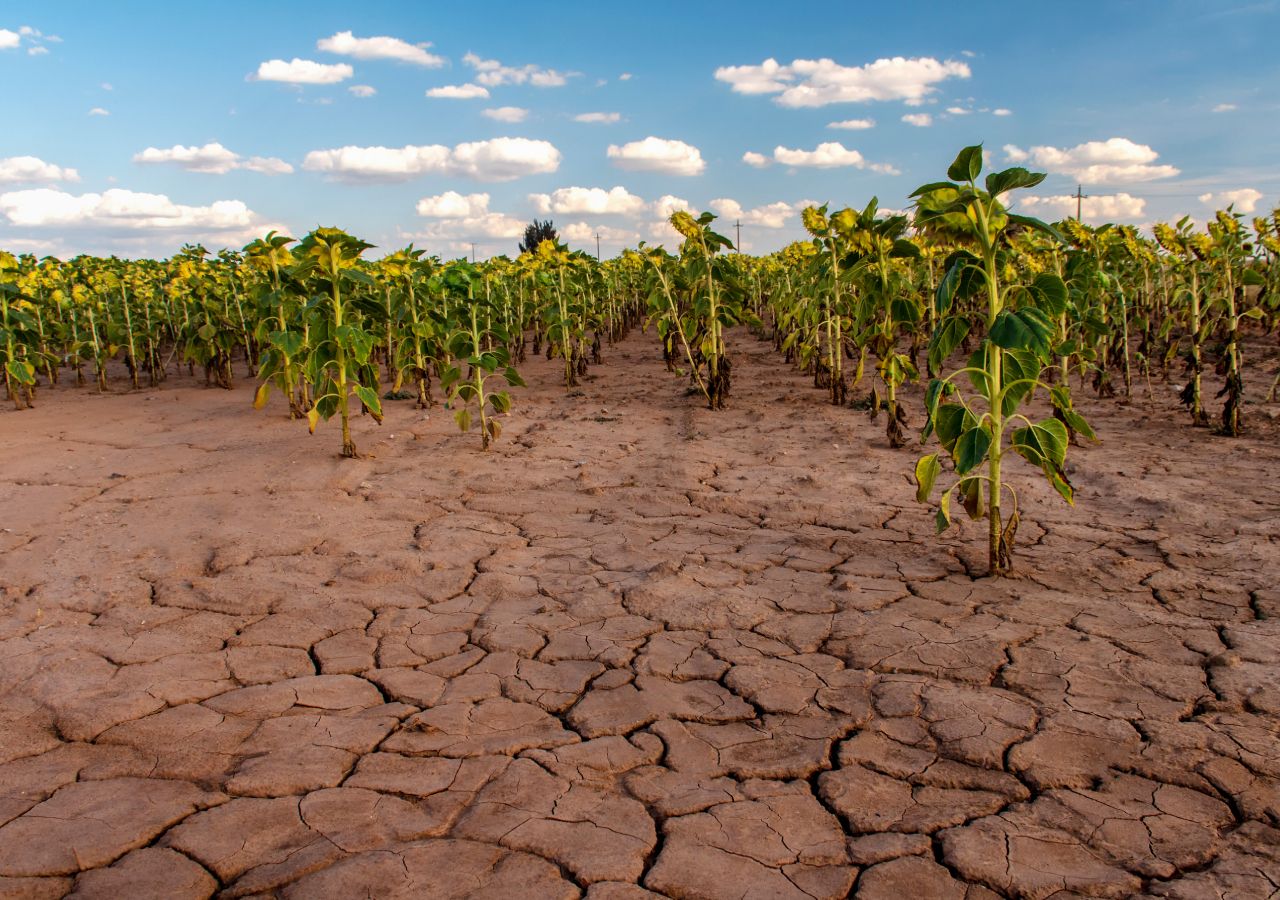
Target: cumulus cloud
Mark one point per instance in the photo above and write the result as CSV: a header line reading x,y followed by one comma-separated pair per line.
x,y
344,43
452,205
1001,112
267,165
1244,199
99,111
655,154
828,155
302,71
755,160
499,159
9,40
667,204
819,82
772,215
958,111
25,169
211,159
362,90
1098,208
459,92
853,124
588,201
1114,161
1225,107
919,120
599,118
492,73
119,209
506,114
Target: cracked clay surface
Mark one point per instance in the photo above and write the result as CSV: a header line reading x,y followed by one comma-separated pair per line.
x,y
638,649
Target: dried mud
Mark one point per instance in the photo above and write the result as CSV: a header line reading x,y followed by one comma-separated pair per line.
x,y
637,649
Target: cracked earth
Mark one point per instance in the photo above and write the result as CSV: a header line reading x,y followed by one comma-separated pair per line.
x,y
638,649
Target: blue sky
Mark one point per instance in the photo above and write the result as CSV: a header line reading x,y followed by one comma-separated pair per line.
x,y
133,127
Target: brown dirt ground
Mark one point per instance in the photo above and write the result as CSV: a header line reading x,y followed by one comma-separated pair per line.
x,y
715,655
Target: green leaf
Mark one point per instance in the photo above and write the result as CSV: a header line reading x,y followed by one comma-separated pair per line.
x,y
972,448
369,398
943,517
1042,443
1021,369
961,280
1023,329
951,421
971,496
1050,293
21,371
1012,179
927,470
968,164
946,338
1036,225
1252,278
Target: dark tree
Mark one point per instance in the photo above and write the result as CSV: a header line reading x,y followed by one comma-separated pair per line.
x,y
536,233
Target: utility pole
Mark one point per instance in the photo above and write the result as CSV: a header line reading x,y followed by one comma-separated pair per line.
x,y
738,246
473,253
1079,204
597,246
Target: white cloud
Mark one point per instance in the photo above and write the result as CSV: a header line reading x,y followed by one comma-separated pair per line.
x,y
1002,112
588,201
499,159
37,51
452,205
828,155
665,205
583,233
344,43
755,160
492,73
211,159
302,71
507,114
809,82
504,159
772,215
1097,208
99,111
362,90
119,209
919,120
958,111
1225,107
853,124
267,165
459,92
9,40
107,86
1015,153
625,76
1244,199
18,169
655,154
1114,161
458,232
599,118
